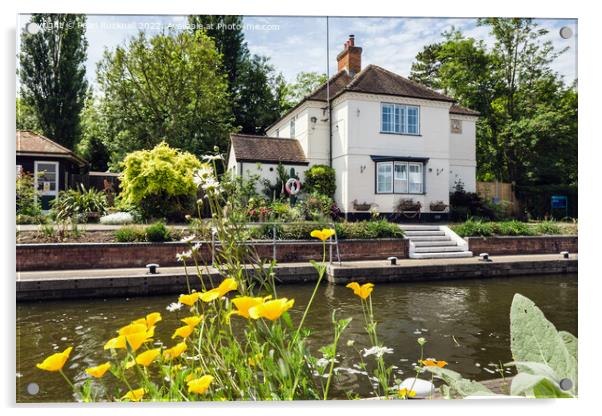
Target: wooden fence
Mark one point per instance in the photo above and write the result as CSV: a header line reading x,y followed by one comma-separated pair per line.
x,y
499,192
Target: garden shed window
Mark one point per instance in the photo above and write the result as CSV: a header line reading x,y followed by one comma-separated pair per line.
x,y
399,177
400,119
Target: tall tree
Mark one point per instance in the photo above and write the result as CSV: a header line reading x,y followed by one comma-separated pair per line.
x,y
168,87
26,117
520,98
95,133
226,32
254,86
305,83
53,75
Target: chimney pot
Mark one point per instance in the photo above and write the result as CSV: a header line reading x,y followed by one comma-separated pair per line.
x,y
350,59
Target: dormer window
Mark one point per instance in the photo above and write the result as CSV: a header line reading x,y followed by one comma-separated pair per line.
x,y
292,128
400,119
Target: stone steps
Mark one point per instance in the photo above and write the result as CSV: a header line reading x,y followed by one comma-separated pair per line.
x,y
433,242
430,243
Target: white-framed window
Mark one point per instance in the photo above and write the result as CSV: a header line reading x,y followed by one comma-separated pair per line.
x,y
416,178
19,170
400,119
399,177
292,128
384,178
277,132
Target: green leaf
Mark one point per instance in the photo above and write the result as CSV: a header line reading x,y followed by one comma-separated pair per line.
x,y
571,343
463,387
539,386
535,339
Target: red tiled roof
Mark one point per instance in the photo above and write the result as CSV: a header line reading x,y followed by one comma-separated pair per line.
x,y
251,148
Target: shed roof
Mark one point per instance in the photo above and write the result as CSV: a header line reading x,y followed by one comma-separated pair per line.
x,y
252,148
30,143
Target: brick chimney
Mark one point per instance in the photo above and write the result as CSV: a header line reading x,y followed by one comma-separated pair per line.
x,y
350,59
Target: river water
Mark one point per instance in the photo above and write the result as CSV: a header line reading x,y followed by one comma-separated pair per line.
x,y
466,323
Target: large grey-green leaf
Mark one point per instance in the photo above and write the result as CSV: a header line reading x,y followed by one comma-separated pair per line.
x,y
534,338
539,386
570,341
537,369
463,387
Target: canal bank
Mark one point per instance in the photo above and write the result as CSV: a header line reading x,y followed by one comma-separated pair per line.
x,y
131,282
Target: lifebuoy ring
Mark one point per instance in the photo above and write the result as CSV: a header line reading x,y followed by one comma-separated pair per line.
x,y
292,186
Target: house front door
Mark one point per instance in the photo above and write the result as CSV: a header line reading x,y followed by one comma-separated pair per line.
x,y
46,182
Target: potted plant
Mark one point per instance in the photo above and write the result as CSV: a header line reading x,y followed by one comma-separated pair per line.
x,y
438,206
364,206
408,205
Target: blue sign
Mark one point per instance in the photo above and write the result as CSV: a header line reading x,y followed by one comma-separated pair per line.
x,y
559,202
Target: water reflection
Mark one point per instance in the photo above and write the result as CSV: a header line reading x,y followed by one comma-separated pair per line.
x,y
465,322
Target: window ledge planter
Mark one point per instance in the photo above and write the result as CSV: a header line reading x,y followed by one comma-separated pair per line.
x,y
364,206
438,206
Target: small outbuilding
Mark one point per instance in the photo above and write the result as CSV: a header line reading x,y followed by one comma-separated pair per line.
x,y
54,167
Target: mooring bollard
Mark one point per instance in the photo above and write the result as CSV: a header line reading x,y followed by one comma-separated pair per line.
x,y
564,254
152,268
484,257
392,260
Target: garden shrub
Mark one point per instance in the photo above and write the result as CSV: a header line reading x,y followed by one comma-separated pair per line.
x,y
84,205
317,206
514,228
548,228
160,182
464,205
28,209
474,228
368,229
130,234
157,232
320,179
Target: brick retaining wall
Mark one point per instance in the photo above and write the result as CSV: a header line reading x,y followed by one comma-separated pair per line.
x,y
63,256
522,245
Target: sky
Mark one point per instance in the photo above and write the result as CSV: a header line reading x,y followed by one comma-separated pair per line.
x,y
296,44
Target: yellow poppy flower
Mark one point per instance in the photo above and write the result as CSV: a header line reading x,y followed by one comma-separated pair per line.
x,y
272,309
99,370
406,393
147,357
362,291
199,385
323,234
189,300
244,303
175,351
56,361
149,320
226,286
433,363
136,340
134,395
210,295
192,320
115,343
132,329
183,332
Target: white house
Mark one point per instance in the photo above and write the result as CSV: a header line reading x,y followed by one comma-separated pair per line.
x,y
387,137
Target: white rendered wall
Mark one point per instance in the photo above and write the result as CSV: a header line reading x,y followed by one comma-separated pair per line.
x,y
463,163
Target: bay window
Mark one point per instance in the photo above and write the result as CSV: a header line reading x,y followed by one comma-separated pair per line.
x,y
400,119
399,177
